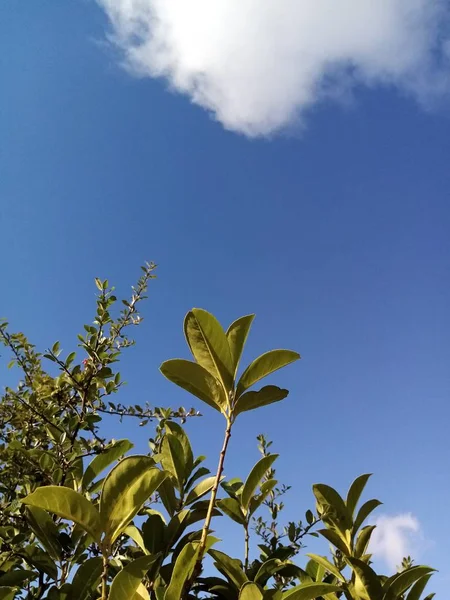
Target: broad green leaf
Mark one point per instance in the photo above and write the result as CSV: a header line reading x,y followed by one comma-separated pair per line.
x,y
183,569
363,540
133,533
265,365
230,567
364,512
250,591
154,533
126,583
141,593
172,459
200,489
68,504
265,396
331,503
166,492
237,334
209,345
44,528
103,460
195,379
196,475
417,589
127,487
255,477
355,491
182,437
232,508
86,579
368,579
41,560
310,591
327,565
334,538
265,490
267,569
273,594
16,577
7,593
400,582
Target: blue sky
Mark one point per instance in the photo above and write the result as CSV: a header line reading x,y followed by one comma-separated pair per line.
x,y
335,233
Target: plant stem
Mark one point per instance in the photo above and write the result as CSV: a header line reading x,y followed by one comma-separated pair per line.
x,y
247,545
104,577
212,502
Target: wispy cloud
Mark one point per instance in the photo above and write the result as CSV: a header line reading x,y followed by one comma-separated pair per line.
x,y
394,538
258,66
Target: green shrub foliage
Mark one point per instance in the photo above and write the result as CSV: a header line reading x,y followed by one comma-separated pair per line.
x,y
83,518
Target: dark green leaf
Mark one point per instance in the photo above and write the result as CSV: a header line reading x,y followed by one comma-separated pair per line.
x,y
86,579
402,581
255,477
327,565
265,365
45,530
265,396
230,567
231,507
367,577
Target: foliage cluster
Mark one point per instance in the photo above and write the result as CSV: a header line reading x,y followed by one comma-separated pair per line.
x,y
68,532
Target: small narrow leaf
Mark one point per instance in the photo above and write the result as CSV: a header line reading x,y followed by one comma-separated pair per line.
x,y
265,365
195,379
265,396
255,477
172,459
364,512
402,581
200,490
327,565
183,439
126,583
363,540
265,490
237,334
68,504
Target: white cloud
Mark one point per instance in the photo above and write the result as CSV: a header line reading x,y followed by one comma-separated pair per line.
x,y
394,538
258,65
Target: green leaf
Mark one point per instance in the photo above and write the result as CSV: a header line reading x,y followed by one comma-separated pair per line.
x,y
153,532
400,582
86,579
195,379
334,538
183,569
7,593
125,489
331,503
209,345
230,567
126,583
265,396
367,577
68,504
250,591
267,569
172,458
364,512
237,334
133,533
417,589
254,478
265,365
196,475
200,489
167,495
45,530
265,490
16,577
327,565
310,591
232,508
363,540
141,593
41,561
182,437
355,491
103,460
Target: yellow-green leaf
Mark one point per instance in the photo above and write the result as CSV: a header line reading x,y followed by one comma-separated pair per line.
x,y
255,477
367,581
237,334
195,379
45,530
265,365
310,591
127,487
328,566
126,583
355,491
86,579
184,566
103,460
68,504
200,489
265,396
232,508
230,567
209,345
250,591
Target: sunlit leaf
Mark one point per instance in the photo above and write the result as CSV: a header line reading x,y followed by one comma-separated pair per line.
x,y
200,489
327,565
250,591
355,491
45,530
367,577
364,512
237,334
126,583
255,477
103,460
86,579
232,508
183,569
230,567
265,365
256,399
310,591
